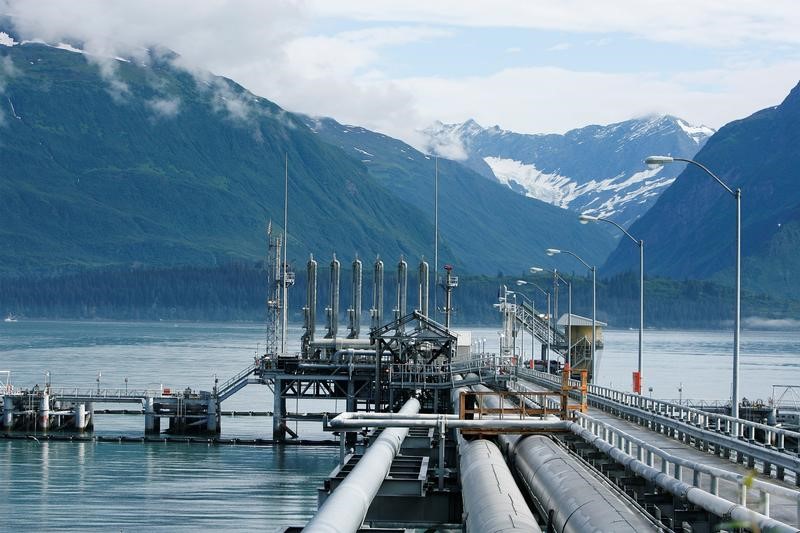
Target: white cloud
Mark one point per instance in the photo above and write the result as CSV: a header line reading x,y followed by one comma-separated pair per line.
x,y
560,47
551,99
277,50
717,24
7,70
164,107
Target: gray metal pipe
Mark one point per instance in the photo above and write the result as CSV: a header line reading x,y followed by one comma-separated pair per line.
x,y
572,498
424,283
705,500
311,300
333,310
492,500
377,295
402,287
487,424
355,310
345,508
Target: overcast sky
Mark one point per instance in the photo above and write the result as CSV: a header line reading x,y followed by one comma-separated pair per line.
x,y
526,65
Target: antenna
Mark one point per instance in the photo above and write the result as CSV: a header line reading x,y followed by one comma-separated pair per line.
x,y
436,235
284,321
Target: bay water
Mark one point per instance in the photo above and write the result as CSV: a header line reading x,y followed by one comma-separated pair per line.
x,y
156,486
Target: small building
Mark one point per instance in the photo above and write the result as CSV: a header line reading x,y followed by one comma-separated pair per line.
x,y
581,327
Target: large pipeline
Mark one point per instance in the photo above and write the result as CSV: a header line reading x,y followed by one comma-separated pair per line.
x,y
573,499
492,500
346,507
568,494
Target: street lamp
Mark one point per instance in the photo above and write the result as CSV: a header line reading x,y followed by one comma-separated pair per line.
x,y
568,359
737,195
585,219
554,251
549,328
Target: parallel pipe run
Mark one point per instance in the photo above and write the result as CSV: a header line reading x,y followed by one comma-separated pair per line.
x,y
713,504
569,495
492,500
346,507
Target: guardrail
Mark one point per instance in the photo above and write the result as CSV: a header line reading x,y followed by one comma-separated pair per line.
x,y
672,465
117,394
771,436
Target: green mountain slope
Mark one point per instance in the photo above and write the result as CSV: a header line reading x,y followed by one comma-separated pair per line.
x,y
93,179
108,163
498,229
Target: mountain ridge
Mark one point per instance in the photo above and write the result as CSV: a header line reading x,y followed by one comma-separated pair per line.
x,y
594,168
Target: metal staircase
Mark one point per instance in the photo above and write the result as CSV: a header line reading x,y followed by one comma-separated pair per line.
x,y
236,383
539,328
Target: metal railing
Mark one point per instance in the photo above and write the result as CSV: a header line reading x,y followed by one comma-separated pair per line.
x,y
770,436
673,466
485,366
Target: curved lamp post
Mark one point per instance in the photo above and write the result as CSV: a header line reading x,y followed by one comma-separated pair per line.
x,y
554,251
737,196
585,219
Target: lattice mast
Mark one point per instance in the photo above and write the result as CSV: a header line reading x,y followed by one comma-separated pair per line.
x,y
275,293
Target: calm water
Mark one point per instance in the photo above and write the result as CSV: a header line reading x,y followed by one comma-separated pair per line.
x,y
133,487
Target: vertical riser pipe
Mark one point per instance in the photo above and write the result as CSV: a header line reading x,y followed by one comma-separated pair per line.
x,y
424,283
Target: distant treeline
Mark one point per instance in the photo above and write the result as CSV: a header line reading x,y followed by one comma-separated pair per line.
x,y
239,292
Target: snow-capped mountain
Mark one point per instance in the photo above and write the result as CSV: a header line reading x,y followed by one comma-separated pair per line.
x,y
595,169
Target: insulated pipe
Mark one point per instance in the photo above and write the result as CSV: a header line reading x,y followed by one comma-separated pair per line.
x,y
333,310
572,498
492,500
402,287
377,295
487,424
696,496
424,282
340,342
311,299
355,310
346,507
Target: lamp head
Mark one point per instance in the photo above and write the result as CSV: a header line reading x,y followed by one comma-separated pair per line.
x,y
658,160
552,251
585,219
521,282
536,269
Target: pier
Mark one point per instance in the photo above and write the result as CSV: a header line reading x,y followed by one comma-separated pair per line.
x,y
438,434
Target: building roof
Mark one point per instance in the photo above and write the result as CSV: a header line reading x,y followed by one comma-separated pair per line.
x,y
578,320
